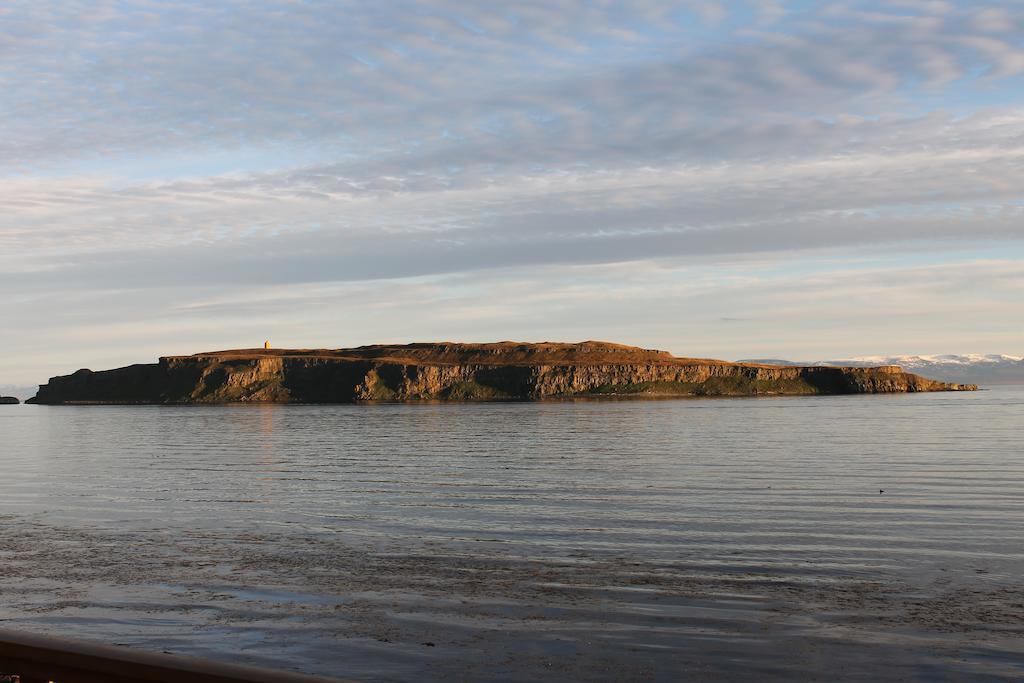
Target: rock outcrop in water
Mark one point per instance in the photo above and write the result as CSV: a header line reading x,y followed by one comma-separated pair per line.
x,y
8,401
448,371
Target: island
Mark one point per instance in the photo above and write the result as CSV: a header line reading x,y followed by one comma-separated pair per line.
x,y
450,371
8,401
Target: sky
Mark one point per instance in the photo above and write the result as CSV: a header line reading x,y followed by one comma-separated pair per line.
x,y
802,180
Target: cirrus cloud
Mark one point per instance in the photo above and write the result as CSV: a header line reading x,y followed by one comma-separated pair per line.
x,y
235,150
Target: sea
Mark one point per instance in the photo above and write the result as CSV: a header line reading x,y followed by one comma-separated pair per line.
x,y
789,538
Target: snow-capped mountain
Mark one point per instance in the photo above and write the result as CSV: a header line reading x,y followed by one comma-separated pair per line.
x,y
969,368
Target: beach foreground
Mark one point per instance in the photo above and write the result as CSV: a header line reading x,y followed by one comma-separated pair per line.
x,y
797,537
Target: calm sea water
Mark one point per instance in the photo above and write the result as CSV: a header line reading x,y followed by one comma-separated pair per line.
x,y
861,537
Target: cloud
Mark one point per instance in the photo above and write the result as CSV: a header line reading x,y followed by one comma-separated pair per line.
x,y
83,81
869,304
811,187
192,157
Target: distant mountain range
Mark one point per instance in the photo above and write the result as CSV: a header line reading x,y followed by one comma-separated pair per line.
x,y
971,368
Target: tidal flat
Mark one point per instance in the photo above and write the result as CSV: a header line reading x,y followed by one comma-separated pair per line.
x,y
852,537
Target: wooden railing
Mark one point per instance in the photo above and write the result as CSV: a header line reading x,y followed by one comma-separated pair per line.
x,y
31,658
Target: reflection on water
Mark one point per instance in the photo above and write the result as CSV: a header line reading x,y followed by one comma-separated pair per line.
x,y
873,536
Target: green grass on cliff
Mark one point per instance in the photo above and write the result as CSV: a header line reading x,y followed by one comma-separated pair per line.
x,y
472,391
744,386
379,391
714,386
667,388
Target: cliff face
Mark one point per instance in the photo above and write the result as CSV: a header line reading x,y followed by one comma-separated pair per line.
x,y
459,372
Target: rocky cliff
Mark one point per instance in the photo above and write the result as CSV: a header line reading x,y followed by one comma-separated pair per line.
x,y
448,371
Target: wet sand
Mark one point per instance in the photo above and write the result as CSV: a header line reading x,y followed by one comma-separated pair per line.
x,y
329,607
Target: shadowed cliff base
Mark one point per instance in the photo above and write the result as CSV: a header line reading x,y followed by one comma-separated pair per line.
x,y
460,372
